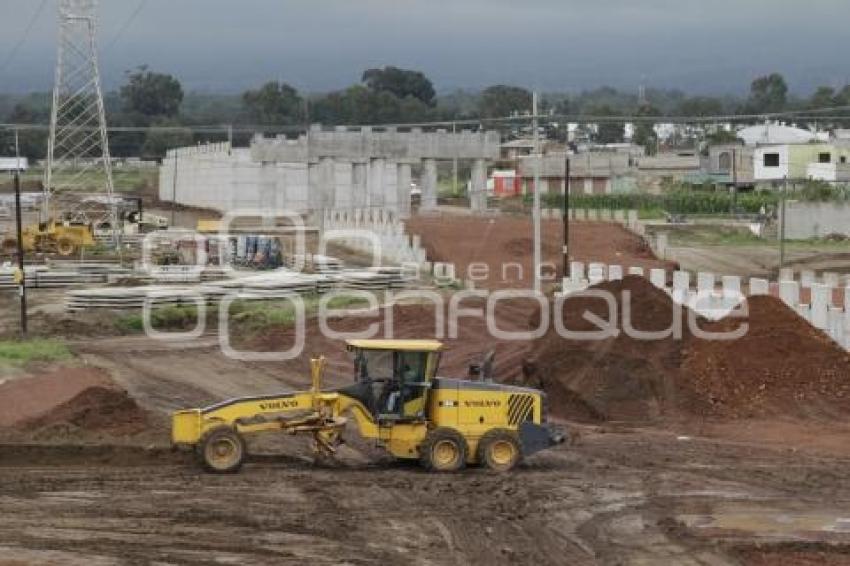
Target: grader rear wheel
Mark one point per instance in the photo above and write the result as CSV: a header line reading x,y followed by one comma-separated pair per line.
x,y
499,450
444,450
222,451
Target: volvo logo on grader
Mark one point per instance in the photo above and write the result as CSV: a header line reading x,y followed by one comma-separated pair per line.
x,y
279,404
482,404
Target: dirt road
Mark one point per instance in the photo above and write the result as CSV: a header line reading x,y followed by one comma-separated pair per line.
x,y
615,498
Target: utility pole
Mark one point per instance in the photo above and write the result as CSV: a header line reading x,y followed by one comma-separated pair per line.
x,y
20,276
536,212
454,164
174,190
782,224
733,200
566,250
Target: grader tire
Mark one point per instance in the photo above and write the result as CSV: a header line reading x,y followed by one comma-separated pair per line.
x,y
221,451
65,247
444,450
499,450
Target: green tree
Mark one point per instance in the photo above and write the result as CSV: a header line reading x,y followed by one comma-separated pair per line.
x,y
360,105
151,95
768,94
274,104
699,106
823,97
502,100
644,134
401,83
32,144
158,142
608,131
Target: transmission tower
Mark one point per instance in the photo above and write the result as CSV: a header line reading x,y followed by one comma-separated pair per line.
x,y
78,148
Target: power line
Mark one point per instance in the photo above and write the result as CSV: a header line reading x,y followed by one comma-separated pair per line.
x,y
126,25
14,52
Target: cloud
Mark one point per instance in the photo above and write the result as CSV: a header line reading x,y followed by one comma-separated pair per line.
x,y
695,45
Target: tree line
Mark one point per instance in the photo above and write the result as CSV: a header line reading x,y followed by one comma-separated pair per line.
x,y
383,96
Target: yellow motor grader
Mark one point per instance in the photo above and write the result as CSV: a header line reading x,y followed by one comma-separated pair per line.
x,y
397,400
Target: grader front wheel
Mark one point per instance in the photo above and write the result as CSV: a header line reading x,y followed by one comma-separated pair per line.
x,y
222,451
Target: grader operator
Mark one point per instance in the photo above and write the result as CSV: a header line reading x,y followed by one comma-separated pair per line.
x,y
397,400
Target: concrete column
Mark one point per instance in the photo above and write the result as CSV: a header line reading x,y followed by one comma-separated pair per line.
x,y
478,198
403,178
786,274
615,272
429,184
376,182
327,190
314,182
390,185
360,185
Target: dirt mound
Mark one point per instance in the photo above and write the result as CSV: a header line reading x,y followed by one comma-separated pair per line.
x,y
626,377
83,399
782,365
623,377
96,409
504,244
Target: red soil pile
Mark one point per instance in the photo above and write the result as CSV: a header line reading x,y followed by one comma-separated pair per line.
x,y
82,398
96,409
503,242
782,365
29,397
618,378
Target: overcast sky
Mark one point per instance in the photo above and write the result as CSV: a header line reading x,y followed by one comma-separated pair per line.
x,y
711,46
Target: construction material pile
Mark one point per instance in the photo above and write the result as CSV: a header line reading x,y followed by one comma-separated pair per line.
x,y
69,400
781,366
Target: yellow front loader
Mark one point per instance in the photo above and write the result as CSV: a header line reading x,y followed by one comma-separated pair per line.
x,y
396,400
61,238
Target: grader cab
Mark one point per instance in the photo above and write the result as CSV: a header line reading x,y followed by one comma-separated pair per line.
x,y
397,400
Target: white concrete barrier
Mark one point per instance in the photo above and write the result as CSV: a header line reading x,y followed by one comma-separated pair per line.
x,y
596,273
706,282
821,297
576,271
759,287
831,279
835,325
807,278
786,274
636,271
615,272
658,277
789,292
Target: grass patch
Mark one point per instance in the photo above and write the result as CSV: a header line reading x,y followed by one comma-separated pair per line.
x,y
20,353
165,318
245,316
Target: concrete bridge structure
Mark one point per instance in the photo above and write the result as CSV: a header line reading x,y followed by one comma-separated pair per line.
x,y
339,168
